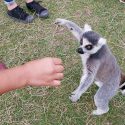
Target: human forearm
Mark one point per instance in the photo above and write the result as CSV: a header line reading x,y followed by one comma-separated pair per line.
x,y
11,79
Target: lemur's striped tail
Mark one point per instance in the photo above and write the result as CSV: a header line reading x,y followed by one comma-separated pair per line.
x,y
122,84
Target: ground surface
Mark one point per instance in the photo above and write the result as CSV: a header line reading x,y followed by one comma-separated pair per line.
x,y
20,43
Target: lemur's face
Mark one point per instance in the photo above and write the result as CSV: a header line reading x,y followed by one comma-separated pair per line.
x,y
90,43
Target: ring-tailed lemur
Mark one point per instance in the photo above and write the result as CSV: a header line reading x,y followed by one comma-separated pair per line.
x,y
99,65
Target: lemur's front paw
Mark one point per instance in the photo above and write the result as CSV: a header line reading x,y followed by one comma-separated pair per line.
x,y
100,111
74,92
74,97
60,21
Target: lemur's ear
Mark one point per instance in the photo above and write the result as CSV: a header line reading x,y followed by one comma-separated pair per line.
x,y
102,41
87,28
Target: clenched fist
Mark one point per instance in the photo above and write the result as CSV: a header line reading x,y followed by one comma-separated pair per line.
x,y
44,72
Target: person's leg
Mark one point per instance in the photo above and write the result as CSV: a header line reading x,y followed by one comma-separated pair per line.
x,y
17,13
11,4
34,6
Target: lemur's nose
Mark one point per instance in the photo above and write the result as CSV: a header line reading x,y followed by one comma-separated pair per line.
x,y
80,50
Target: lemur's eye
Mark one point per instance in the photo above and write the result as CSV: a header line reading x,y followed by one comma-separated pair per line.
x,y
88,47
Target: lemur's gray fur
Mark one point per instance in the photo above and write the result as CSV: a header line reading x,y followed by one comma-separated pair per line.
x,y
99,65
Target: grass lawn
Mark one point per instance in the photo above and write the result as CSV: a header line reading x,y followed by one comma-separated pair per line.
x,y
20,43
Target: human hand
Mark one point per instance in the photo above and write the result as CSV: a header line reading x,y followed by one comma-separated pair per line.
x,y
44,72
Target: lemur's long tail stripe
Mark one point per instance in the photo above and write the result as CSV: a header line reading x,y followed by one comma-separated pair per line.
x,y
122,83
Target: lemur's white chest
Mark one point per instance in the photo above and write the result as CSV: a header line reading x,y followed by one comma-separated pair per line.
x,y
84,58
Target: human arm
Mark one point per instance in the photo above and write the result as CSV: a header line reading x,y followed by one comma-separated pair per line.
x,y
42,72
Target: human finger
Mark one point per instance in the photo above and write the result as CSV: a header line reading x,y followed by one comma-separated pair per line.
x,y
59,68
58,76
55,83
57,61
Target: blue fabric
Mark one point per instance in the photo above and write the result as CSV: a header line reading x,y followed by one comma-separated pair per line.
x,y
9,1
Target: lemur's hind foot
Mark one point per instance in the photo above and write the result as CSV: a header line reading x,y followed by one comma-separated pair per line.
x,y
122,84
100,111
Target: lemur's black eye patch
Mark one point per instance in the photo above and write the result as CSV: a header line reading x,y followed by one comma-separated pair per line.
x,y
89,47
81,42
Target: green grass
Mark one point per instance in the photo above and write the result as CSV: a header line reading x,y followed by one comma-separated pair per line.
x,y
20,43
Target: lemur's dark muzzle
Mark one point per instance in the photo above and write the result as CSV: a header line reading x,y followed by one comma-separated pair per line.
x,y
80,50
